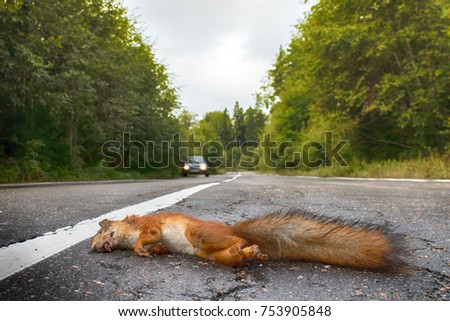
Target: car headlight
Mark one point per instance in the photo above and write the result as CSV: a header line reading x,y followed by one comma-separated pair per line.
x,y
203,167
186,167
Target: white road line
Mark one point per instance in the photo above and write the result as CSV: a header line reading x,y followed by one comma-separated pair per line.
x,y
232,179
19,256
417,180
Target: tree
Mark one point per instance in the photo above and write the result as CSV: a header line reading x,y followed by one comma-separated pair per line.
x,y
74,74
238,122
187,121
215,126
254,120
374,71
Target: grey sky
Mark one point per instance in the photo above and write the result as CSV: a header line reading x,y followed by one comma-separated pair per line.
x,y
217,51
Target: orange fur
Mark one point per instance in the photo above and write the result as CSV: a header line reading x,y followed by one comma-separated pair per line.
x,y
293,235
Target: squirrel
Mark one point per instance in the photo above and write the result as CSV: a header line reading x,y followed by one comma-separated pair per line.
x,y
292,235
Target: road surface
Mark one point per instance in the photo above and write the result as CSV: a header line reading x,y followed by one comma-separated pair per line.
x,y
419,209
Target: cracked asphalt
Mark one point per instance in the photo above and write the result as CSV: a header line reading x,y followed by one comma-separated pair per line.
x,y
420,210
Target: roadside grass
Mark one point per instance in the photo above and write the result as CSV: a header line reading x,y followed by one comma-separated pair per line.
x,y
19,174
423,168
14,175
433,167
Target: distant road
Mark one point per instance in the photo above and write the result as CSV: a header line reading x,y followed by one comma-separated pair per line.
x,y
419,209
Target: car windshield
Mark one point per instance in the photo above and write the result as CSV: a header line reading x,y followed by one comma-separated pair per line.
x,y
196,159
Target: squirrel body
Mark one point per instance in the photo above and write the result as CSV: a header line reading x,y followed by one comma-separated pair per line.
x,y
293,235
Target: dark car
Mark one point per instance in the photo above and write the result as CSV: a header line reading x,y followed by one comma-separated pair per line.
x,y
195,165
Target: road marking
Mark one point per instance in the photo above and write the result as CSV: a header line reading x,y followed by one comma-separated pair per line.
x,y
19,256
232,179
417,180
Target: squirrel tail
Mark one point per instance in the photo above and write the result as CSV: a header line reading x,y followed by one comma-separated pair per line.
x,y
299,235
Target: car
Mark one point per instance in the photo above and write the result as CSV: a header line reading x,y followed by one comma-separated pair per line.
x,y
195,165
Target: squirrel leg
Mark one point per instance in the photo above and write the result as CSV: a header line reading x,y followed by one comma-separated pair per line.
x,y
158,249
232,256
253,252
237,253
146,239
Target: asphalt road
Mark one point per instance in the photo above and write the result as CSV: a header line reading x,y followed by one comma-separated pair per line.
x,y
420,210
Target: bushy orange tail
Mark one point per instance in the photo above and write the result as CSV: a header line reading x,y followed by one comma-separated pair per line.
x,y
298,235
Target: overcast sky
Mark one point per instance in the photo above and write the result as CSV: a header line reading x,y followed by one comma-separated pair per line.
x,y
217,52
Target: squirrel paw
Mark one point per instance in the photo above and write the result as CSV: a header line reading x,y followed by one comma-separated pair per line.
x,y
158,249
257,254
142,252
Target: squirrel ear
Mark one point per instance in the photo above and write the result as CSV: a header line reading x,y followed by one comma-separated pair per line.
x,y
131,219
105,224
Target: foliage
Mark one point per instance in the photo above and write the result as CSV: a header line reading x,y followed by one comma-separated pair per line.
x,y
76,74
73,75
431,167
373,72
220,135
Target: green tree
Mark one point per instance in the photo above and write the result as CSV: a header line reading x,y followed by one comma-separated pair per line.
x,y
187,121
74,74
254,120
376,72
238,122
215,126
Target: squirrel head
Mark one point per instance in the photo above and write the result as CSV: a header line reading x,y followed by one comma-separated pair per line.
x,y
112,235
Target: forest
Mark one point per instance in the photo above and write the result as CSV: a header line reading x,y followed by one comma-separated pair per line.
x,y
73,75
375,73
79,84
